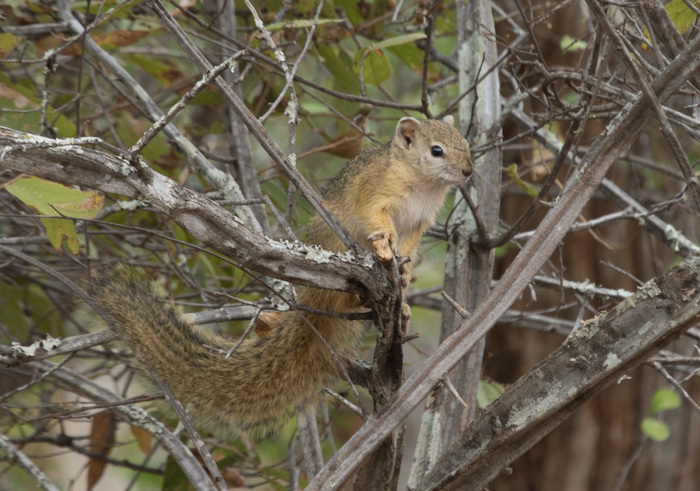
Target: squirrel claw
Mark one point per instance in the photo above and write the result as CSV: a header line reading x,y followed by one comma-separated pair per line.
x,y
405,279
405,317
384,245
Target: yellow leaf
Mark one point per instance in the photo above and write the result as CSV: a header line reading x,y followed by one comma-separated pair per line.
x,y
52,198
143,438
680,14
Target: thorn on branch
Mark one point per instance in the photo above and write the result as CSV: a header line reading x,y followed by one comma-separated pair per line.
x,y
460,310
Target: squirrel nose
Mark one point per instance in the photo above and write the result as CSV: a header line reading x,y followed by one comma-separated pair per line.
x,y
466,172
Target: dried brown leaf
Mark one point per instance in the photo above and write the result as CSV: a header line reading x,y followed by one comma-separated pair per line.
x,y
101,442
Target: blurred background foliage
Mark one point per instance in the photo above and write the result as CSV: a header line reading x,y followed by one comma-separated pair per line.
x,y
365,63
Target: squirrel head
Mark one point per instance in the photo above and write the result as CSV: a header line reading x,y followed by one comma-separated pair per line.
x,y
436,147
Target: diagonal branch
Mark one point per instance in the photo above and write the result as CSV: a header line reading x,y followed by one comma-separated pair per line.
x,y
224,183
663,231
598,353
15,455
210,223
133,415
664,124
254,126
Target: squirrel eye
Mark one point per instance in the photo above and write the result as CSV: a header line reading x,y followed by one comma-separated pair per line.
x,y
436,151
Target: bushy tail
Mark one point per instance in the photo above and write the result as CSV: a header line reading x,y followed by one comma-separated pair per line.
x,y
254,391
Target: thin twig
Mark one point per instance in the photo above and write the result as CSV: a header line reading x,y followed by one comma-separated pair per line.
x,y
451,388
458,308
675,383
671,138
184,100
25,463
191,431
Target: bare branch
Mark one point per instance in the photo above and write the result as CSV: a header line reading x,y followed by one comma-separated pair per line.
x,y
664,125
136,416
25,463
200,216
224,183
254,126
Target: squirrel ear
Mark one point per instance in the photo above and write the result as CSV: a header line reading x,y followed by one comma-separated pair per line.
x,y
449,120
406,132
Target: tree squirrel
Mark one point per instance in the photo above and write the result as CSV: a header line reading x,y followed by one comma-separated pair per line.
x,y
386,197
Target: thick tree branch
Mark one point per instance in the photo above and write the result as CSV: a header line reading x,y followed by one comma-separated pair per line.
x,y
205,220
598,353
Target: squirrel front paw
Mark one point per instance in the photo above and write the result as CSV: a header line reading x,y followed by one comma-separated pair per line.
x,y
405,274
385,245
405,317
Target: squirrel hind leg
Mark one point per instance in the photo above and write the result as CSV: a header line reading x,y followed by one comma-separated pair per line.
x,y
266,322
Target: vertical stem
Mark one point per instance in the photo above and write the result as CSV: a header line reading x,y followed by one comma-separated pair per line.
x,y
239,140
310,443
381,470
468,272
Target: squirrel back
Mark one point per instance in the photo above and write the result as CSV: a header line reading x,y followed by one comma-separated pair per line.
x,y
386,197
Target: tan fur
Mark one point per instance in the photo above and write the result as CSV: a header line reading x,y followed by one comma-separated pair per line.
x,y
390,193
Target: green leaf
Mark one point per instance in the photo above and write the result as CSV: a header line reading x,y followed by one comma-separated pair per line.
x,y
300,24
401,46
352,10
164,71
12,309
665,400
7,43
411,56
207,97
680,14
487,392
398,40
570,44
529,189
503,250
414,57
343,76
302,7
52,198
15,96
655,429
61,231
376,67
174,479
